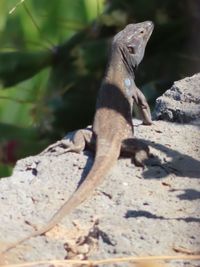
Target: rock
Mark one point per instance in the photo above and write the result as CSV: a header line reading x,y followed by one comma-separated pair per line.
x,y
135,212
181,103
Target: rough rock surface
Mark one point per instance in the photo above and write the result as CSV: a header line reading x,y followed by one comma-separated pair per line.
x,y
181,103
151,211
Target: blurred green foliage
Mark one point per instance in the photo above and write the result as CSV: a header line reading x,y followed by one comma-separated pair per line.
x,y
53,56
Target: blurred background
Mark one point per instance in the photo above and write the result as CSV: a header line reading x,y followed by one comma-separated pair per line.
x,y
53,56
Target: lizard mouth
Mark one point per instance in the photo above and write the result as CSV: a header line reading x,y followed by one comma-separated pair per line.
x,y
150,26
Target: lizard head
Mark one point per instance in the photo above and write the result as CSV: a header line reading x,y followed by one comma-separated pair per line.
x,y
131,43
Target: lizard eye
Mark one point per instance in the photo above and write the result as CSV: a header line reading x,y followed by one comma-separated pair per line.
x,y
141,31
131,49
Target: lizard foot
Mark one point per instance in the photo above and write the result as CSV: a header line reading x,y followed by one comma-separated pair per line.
x,y
136,149
73,142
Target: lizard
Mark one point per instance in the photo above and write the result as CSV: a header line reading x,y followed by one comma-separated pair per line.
x,y
112,129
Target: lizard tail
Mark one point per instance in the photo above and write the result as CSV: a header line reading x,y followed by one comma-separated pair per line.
x,y
102,164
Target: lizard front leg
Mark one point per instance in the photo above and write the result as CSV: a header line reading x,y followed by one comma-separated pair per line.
x,y
136,149
143,106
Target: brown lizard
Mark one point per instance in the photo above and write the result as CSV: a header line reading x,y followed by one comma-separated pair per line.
x,y
112,128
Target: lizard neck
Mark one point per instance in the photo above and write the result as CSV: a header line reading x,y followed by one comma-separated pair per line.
x,y
115,100
119,75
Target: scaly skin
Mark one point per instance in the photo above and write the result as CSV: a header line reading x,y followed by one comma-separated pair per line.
x,y
112,128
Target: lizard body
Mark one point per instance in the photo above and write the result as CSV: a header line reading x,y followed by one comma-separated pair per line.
x,y
112,128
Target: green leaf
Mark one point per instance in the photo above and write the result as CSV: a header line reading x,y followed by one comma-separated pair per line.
x,y
9,131
19,66
5,170
26,141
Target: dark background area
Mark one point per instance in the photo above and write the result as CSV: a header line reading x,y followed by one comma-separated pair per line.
x,y
53,58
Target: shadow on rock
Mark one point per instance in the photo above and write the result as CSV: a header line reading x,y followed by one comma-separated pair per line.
x,y
149,215
180,164
189,194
